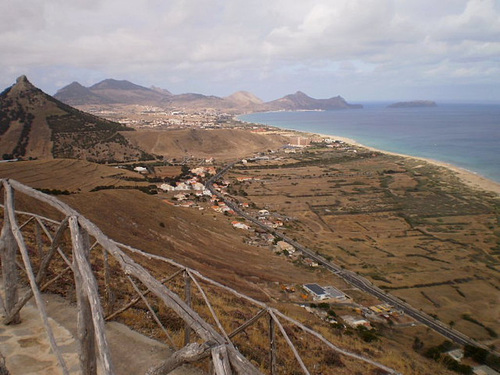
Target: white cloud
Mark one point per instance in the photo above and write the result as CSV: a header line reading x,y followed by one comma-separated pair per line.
x,y
217,43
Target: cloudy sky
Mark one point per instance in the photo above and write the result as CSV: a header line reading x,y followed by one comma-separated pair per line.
x,y
361,49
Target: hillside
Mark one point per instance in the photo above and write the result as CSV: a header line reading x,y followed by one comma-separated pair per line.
x,y
207,242
220,144
34,125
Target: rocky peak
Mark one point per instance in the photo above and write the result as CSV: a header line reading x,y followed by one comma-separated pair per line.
x,y
22,84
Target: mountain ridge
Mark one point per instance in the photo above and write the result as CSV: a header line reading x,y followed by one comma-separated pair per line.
x,y
111,91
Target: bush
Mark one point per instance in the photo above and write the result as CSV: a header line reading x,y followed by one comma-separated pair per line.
x,y
367,335
332,358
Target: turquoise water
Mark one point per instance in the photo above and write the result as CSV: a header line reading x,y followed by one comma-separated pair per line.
x,y
465,135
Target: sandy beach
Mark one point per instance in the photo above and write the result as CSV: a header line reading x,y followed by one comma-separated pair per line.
x,y
469,178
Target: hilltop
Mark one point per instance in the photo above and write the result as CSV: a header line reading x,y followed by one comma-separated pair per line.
x,y
34,125
110,91
114,92
301,101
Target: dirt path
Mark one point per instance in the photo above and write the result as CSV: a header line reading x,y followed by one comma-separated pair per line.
x,y
27,350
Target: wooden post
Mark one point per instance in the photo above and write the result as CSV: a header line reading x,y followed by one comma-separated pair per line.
x,y
91,293
220,361
85,325
187,289
8,250
272,349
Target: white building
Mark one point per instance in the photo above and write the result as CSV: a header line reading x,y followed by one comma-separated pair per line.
x,y
317,291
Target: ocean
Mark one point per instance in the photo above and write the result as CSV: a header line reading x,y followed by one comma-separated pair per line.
x,y
465,135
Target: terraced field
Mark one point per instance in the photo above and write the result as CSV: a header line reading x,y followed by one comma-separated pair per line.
x,y
409,226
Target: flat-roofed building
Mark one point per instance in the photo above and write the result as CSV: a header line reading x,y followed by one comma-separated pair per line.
x,y
335,293
317,291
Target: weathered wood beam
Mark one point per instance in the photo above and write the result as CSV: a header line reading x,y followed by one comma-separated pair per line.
x,y
220,360
49,235
9,206
40,274
54,279
171,300
53,248
202,328
187,293
2,306
289,342
332,346
188,354
248,323
8,250
26,222
90,290
155,317
85,324
272,347
137,299
240,364
212,311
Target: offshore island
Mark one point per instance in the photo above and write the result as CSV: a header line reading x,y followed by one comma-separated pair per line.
x,y
411,227
413,104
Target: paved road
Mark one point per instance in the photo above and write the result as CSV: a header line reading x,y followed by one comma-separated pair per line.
x,y
350,277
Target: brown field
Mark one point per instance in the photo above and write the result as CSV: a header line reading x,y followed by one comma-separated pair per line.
x,y
409,226
339,210
75,176
222,144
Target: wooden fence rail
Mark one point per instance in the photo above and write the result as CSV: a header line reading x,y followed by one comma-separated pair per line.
x,y
212,341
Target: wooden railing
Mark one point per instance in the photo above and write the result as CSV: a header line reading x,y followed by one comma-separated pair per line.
x,y
41,243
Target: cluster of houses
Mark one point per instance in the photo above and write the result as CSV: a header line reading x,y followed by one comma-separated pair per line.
x,y
221,207
193,183
265,218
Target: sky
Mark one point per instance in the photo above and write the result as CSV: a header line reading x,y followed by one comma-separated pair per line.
x,y
363,50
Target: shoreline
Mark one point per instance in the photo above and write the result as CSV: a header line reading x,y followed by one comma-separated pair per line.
x,y
469,178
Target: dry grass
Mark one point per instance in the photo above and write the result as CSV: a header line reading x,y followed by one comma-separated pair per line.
x,y
222,144
409,230
207,242
67,174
